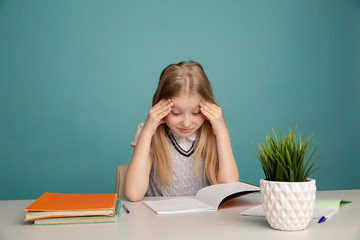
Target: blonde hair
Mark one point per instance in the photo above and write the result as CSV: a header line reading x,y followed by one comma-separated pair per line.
x,y
184,78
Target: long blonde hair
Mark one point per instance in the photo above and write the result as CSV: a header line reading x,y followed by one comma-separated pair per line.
x,y
175,79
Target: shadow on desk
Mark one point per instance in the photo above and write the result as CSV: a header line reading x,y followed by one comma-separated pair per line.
x,y
26,223
257,221
244,203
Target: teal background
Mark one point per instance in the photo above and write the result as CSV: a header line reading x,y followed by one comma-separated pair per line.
x,y
76,77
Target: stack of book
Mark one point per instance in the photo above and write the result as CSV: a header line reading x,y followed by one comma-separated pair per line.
x,y
63,208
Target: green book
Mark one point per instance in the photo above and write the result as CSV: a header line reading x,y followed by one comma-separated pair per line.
x,y
81,220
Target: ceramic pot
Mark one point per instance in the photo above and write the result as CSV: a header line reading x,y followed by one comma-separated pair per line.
x,y
288,206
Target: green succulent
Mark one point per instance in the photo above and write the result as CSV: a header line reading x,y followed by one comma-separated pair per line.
x,y
284,159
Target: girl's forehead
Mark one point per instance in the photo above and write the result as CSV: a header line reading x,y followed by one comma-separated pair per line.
x,y
186,102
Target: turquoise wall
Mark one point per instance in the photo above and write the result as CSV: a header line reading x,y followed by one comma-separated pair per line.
x,y
76,77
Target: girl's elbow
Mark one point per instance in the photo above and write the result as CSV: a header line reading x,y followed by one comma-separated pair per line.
x,y
133,195
134,199
229,179
236,178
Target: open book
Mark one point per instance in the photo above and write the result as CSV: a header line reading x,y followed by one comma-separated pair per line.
x,y
206,199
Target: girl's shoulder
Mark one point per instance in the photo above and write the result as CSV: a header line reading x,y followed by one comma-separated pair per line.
x,y
137,134
139,128
141,125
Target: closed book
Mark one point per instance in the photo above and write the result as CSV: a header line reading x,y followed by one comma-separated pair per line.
x,y
81,220
51,205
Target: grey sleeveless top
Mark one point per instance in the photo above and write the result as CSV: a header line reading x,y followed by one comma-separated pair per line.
x,y
186,180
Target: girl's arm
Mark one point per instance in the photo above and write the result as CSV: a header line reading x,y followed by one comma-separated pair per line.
x,y
228,171
138,172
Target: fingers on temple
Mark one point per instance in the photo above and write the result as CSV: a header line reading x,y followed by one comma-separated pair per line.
x,y
165,107
209,109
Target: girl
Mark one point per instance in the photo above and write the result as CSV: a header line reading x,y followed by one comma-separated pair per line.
x,y
184,144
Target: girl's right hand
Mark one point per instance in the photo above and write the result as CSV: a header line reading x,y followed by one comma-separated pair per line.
x,y
156,115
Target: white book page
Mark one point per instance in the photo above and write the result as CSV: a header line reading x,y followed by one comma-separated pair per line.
x,y
326,212
258,211
214,194
177,205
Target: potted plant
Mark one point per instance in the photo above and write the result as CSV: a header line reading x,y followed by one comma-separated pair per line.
x,y
287,193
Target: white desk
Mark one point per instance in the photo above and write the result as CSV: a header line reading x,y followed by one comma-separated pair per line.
x,y
226,223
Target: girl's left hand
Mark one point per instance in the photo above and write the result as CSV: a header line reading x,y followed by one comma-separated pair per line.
x,y
215,115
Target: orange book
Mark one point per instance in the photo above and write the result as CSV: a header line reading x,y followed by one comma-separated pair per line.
x,y
51,205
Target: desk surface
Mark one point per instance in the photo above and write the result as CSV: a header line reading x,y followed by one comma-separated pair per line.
x,y
226,223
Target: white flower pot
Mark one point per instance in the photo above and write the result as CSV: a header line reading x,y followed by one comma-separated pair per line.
x,y
288,206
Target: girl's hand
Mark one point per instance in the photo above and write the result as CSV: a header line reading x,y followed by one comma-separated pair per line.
x,y
156,115
215,115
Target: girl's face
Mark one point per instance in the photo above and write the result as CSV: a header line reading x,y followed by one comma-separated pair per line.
x,y
185,117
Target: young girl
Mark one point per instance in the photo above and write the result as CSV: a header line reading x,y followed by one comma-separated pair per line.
x,y
184,144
